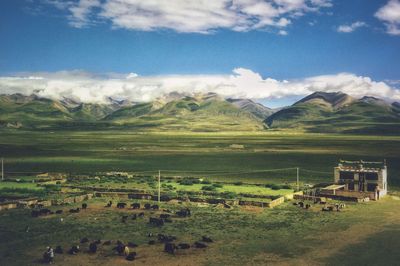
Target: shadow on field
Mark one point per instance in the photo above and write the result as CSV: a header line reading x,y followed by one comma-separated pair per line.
x,y
378,249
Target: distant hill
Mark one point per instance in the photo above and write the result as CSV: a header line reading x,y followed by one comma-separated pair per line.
x,y
318,112
198,112
396,106
31,110
256,109
338,112
89,111
201,112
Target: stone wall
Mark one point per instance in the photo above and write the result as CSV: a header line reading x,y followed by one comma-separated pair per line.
x,y
8,205
307,197
276,202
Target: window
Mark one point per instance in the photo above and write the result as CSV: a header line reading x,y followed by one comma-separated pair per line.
x,y
371,176
346,175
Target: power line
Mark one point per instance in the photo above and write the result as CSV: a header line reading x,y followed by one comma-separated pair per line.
x,y
313,171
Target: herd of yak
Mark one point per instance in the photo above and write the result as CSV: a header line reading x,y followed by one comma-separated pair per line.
x,y
325,208
170,246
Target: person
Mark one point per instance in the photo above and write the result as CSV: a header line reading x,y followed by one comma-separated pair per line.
x,y
74,250
126,251
48,256
50,253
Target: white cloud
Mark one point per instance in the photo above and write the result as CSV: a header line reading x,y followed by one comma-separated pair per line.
x,y
390,15
81,11
131,75
352,27
282,32
242,83
199,16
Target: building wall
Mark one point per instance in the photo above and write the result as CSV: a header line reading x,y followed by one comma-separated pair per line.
x,y
382,182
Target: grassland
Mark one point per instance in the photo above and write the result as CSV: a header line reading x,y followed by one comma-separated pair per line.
x,y
196,154
17,185
286,235
361,234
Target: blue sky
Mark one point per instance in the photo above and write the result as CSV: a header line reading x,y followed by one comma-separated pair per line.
x,y
292,40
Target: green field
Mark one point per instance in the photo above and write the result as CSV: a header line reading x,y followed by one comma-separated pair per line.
x,y
209,155
247,163
13,185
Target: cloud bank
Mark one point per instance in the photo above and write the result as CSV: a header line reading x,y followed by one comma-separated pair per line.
x,y
390,15
241,83
198,16
352,27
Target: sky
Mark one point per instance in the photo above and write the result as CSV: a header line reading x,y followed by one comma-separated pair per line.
x,y
273,51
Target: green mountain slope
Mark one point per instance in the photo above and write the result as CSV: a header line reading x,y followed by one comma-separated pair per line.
x,y
200,113
91,112
256,109
337,112
318,112
31,110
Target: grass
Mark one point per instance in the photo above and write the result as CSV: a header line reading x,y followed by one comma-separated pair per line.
x,y
286,234
246,189
243,235
207,155
18,185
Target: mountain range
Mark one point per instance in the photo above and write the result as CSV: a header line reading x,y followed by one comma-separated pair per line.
x,y
339,112
318,112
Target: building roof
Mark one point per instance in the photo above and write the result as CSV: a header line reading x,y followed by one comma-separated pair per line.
x,y
361,166
334,187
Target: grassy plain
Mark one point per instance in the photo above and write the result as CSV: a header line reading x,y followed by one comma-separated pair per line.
x,y
361,234
286,235
212,155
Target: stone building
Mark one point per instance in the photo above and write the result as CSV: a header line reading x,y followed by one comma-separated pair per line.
x,y
361,179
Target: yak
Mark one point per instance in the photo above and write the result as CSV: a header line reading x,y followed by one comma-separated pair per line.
x,y
135,205
93,247
121,205
198,244
131,256
169,248
59,250
183,246
206,239
156,221
183,212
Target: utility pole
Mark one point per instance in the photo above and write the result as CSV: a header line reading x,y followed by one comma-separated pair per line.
x,y
297,179
159,185
2,169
